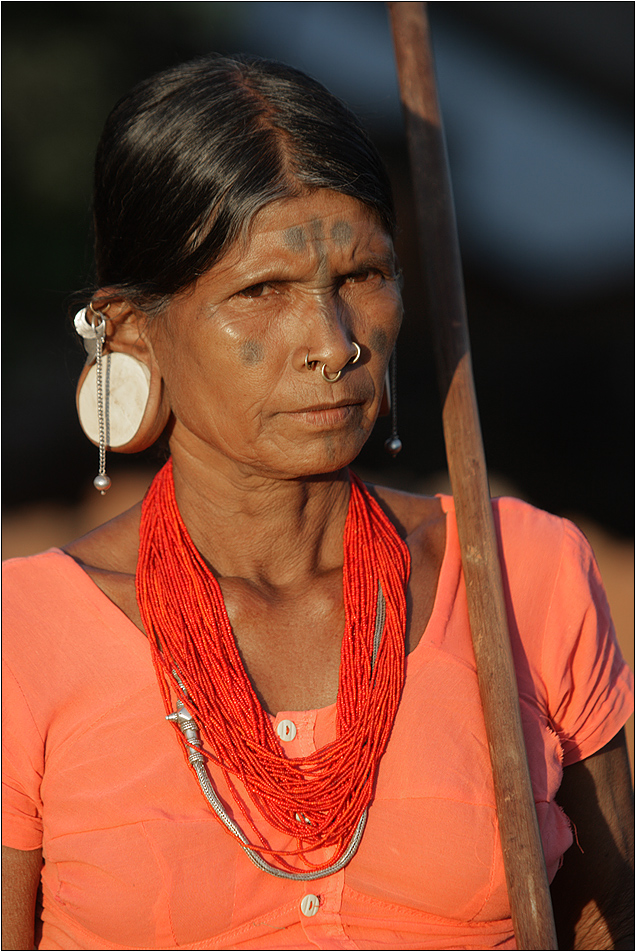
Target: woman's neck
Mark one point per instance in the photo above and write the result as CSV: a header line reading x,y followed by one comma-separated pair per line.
x,y
272,532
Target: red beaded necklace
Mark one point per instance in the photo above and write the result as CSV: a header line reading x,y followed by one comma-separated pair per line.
x,y
316,800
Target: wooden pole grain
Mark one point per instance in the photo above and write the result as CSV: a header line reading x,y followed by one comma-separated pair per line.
x,y
526,878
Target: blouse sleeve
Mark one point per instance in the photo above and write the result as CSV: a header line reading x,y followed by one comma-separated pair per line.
x,y
22,769
589,687
26,608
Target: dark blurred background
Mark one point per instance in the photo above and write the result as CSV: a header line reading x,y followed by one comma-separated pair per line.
x,y
537,99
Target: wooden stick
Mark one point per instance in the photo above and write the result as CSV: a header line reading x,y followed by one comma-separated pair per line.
x,y
524,864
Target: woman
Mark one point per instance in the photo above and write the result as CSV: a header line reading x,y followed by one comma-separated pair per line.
x,y
214,739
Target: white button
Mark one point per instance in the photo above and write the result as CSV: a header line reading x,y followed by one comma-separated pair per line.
x,y
286,730
309,905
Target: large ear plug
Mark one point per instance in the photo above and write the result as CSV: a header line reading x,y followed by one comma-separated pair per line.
x,y
130,415
120,403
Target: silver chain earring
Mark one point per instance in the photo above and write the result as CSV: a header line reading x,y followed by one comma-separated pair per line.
x,y
93,332
394,444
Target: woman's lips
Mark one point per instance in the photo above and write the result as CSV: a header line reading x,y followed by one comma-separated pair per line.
x,y
328,414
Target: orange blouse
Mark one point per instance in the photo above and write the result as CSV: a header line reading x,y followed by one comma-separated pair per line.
x,y
134,858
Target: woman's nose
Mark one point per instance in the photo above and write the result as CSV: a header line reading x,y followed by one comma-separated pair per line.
x,y
330,344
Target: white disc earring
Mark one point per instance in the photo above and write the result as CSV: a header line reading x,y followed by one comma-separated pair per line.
x,y
124,395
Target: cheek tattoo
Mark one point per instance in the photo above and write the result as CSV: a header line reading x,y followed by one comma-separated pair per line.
x,y
251,352
379,341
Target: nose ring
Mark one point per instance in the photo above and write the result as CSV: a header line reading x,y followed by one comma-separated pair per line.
x,y
331,378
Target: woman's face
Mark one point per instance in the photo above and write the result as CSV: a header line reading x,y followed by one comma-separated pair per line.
x,y
241,352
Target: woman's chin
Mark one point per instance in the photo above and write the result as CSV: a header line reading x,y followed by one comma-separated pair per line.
x,y
280,458
332,452
331,456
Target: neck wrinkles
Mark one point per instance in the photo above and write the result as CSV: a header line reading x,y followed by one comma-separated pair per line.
x,y
273,532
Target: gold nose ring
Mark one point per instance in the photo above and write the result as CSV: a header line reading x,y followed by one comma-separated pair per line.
x,y
332,377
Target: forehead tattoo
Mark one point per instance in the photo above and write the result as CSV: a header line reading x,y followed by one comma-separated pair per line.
x,y
341,232
295,238
318,232
318,237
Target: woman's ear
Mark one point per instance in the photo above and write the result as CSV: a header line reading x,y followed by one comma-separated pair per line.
x,y
126,331
134,406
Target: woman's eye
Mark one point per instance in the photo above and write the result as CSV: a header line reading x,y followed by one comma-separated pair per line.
x,y
254,290
360,277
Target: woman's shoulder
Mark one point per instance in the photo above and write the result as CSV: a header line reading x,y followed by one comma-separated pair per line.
x,y
536,540
31,577
48,603
108,556
421,521
60,586
525,533
411,512
111,547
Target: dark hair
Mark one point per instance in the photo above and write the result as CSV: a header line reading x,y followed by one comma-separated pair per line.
x,y
189,156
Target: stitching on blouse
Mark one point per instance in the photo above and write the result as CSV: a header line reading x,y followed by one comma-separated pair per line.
x,y
161,866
